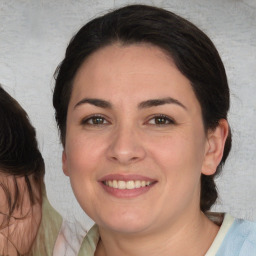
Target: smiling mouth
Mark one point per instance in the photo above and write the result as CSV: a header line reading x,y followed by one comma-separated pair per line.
x,y
130,184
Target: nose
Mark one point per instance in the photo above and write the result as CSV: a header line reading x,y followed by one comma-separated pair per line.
x,y
126,146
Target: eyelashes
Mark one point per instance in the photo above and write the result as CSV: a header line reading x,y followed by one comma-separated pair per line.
x,y
161,120
98,120
95,120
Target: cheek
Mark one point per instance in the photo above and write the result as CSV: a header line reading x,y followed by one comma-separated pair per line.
x,y
26,221
180,158
83,153
84,159
3,203
180,166
4,210
178,150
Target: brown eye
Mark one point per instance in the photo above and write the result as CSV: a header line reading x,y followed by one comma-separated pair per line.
x,y
95,120
161,120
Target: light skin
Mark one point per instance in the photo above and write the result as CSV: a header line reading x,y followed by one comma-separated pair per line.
x,y
19,233
133,116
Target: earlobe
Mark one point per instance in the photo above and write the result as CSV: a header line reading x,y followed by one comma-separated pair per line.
x,y
215,147
64,163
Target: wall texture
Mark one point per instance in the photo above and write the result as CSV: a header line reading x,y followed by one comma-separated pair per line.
x,y
35,33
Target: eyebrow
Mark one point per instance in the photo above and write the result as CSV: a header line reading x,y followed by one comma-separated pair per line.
x,y
96,102
144,104
159,102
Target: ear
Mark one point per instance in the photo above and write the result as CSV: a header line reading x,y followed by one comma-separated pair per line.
x,y
64,163
215,147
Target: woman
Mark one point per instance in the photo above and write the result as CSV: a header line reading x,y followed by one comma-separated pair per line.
x,y
141,101
28,223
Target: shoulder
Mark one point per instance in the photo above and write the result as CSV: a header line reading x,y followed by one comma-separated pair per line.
x,y
90,242
69,239
240,240
48,231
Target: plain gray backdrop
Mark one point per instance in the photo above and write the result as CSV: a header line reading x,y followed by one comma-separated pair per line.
x,y
33,38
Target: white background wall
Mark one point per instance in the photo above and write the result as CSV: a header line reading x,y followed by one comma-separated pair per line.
x,y
33,38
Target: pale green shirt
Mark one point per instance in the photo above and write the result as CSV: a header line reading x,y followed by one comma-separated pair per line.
x,y
48,230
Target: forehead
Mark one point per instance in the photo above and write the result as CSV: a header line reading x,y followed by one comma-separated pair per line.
x,y
125,59
138,71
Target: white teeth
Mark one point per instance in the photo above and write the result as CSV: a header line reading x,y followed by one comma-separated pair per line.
x,y
114,183
130,184
137,184
121,184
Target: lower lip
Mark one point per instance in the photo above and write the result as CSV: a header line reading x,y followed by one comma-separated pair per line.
x,y
126,193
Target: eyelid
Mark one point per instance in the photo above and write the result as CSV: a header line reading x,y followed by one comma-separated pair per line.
x,y
168,118
85,120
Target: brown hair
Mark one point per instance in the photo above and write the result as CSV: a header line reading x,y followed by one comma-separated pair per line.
x,y
19,157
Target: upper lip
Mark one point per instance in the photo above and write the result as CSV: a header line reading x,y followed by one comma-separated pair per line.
x,y
125,177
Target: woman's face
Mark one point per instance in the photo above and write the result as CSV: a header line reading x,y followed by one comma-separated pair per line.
x,y
135,141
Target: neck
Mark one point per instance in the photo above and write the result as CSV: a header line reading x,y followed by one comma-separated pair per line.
x,y
193,237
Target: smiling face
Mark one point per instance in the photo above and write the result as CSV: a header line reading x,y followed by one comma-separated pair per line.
x,y
135,141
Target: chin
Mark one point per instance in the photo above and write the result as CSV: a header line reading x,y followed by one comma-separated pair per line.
x,y
125,223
